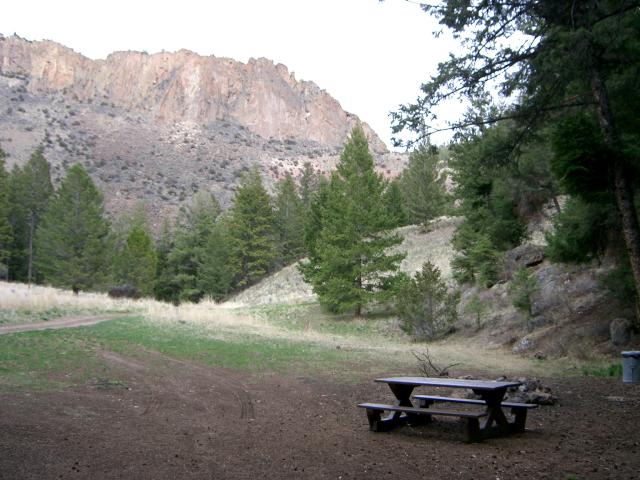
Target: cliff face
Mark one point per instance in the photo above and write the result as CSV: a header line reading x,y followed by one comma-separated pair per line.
x,y
155,129
184,86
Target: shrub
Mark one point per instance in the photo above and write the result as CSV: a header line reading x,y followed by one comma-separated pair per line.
x,y
619,283
477,308
477,260
426,308
522,288
580,231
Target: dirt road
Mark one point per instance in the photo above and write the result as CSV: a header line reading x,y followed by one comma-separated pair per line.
x,y
64,322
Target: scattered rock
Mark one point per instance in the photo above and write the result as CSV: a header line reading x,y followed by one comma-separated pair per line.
x,y
540,398
523,345
620,331
531,391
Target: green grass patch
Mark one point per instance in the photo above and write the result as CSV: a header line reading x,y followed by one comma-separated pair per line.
x,y
310,316
610,370
55,358
45,359
188,342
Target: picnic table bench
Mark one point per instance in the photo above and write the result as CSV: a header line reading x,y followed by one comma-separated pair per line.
x,y
491,395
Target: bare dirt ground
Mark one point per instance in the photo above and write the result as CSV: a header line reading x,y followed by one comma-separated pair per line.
x,y
174,419
64,322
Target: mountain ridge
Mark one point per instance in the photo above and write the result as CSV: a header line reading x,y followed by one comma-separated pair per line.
x,y
185,86
156,128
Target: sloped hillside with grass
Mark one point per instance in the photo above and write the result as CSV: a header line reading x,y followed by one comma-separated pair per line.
x,y
421,244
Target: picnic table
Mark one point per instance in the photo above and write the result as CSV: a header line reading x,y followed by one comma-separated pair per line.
x,y
491,399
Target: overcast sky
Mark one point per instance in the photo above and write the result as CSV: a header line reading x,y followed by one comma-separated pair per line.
x,y
370,56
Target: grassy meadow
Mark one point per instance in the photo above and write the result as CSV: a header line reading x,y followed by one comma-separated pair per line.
x,y
295,339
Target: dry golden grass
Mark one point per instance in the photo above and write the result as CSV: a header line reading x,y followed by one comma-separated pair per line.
x,y
37,298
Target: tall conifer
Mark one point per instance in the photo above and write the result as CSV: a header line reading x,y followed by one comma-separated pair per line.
x,y
289,221
135,263
181,278
216,272
6,232
251,230
73,237
423,186
309,184
31,189
350,267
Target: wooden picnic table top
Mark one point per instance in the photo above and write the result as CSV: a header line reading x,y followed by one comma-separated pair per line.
x,y
449,382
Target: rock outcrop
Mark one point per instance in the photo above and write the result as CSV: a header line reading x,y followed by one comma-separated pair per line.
x,y
187,87
154,129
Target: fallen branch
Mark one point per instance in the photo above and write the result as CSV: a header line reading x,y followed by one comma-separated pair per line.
x,y
429,368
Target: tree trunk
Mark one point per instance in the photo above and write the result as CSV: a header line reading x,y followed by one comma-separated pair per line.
x,y
30,249
623,190
358,312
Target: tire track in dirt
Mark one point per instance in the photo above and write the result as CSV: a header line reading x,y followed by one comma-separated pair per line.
x,y
64,322
221,378
188,377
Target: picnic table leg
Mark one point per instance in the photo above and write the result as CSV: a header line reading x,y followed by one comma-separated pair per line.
x,y
391,421
493,399
472,431
403,399
520,420
394,419
402,394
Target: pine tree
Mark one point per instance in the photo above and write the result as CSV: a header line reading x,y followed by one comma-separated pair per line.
x,y
135,264
424,305
216,272
349,267
423,186
73,237
185,260
6,232
202,211
31,189
289,221
166,287
17,262
251,230
309,183
394,202
552,61
313,220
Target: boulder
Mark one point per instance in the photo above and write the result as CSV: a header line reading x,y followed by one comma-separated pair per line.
x,y
620,331
525,255
539,397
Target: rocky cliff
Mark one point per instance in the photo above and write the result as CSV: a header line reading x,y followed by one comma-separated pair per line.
x,y
159,127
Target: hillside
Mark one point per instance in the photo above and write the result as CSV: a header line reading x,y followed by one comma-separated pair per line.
x,y
420,245
571,314
157,128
